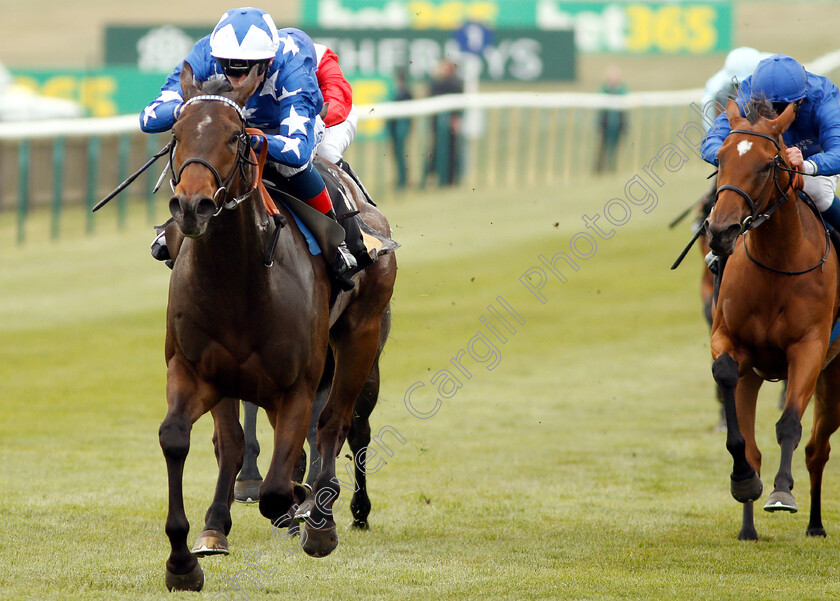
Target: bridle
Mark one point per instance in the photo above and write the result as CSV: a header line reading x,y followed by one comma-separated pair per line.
x,y
756,218
243,160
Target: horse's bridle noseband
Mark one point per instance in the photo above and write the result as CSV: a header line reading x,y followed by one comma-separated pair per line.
x,y
242,158
755,219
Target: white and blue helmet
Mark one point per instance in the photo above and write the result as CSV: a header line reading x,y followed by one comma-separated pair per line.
x,y
245,34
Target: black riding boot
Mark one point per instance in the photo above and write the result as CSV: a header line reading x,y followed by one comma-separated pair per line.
x,y
344,262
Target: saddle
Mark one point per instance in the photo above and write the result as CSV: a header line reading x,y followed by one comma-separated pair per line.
x,y
364,242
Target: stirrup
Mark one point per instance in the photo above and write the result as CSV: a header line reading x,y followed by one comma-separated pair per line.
x,y
344,260
159,249
713,262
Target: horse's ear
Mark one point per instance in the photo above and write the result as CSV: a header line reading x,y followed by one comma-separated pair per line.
x,y
248,87
782,122
188,85
733,112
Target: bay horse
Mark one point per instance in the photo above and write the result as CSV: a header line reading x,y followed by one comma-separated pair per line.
x,y
236,329
777,301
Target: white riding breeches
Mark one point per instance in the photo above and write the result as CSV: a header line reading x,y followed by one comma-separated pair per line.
x,y
821,189
338,137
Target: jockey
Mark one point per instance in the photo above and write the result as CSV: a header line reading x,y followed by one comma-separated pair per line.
x,y
341,118
286,106
812,140
739,64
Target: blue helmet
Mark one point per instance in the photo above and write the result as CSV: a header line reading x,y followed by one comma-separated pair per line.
x,y
779,78
245,34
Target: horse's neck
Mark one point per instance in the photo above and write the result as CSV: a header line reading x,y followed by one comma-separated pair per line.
x,y
780,240
233,244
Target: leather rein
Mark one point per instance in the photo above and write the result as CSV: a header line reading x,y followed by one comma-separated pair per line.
x,y
757,217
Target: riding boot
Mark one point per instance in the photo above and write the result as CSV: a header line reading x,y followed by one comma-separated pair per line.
x,y
345,166
344,261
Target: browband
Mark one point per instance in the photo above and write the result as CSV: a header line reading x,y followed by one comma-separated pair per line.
x,y
213,97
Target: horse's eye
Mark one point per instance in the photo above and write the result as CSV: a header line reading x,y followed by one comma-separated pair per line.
x,y
766,167
233,139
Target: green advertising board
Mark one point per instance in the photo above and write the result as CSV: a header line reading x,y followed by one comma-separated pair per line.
x,y
625,26
515,55
103,92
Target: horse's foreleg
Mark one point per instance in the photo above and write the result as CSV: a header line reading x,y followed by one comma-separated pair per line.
x,y
289,419
826,422
228,442
746,396
355,349
249,480
745,483
185,407
804,363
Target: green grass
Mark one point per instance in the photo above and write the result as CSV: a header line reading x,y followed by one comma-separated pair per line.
x,y
583,466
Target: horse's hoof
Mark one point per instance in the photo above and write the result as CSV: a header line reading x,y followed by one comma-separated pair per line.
x,y
748,534
193,581
319,542
819,531
747,490
247,491
781,500
210,542
361,525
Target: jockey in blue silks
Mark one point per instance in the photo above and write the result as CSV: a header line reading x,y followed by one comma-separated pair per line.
x,y
812,140
286,106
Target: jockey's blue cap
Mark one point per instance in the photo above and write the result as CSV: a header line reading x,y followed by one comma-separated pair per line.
x,y
779,78
245,34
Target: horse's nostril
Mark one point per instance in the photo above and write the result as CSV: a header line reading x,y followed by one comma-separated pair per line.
x,y
175,207
206,208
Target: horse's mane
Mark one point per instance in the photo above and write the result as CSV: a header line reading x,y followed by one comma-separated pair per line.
x,y
759,107
216,86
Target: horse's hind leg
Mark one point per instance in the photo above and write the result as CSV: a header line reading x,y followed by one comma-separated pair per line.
x,y
249,480
826,422
320,401
804,363
359,437
229,443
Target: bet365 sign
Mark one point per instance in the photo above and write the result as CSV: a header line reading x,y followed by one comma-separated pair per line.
x,y
677,27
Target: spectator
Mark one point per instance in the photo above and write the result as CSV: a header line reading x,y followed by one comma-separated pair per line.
x,y
398,129
445,155
612,124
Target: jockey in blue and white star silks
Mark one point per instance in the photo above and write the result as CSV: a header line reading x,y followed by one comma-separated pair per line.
x,y
813,139
286,106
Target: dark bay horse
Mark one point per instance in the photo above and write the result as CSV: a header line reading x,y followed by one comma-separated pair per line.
x,y
236,329
778,299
